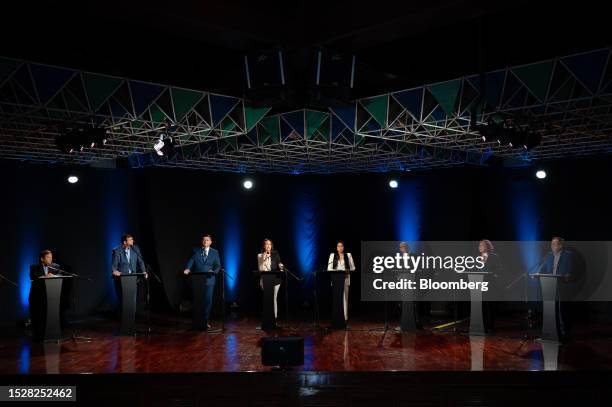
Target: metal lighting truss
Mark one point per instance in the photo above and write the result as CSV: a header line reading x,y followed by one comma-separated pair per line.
x,y
567,101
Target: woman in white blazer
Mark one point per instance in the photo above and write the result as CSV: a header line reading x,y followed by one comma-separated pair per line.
x,y
269,260
339,260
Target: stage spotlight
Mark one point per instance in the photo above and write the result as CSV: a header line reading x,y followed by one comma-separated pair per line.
x,y
483,131
541,174
248,184
165,145
73,138
96,136
73,179
518,139
532,141
393,184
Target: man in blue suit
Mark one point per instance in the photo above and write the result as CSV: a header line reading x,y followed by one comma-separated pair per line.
x,y
126,260
205,259
560,262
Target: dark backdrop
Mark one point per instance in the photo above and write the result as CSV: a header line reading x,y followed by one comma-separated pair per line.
x,y
168,210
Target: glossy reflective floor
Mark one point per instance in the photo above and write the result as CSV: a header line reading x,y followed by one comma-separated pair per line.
x,y
173,348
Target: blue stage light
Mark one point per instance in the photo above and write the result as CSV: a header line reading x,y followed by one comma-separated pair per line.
x,y
305,231
408,212
230,253
525,214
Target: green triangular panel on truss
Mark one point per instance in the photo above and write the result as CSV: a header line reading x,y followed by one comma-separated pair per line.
x,y
184,100
377,107
271,127
99,88
324,129
253,115
536,77
314,120
157,115
446,94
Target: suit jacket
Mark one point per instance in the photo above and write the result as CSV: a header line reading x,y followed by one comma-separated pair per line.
x,y
200,263
564,268
36,271
121,264
492,265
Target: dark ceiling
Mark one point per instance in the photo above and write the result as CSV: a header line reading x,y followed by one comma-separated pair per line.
x,y
201,44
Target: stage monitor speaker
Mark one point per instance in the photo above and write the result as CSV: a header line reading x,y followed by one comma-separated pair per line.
x,y
282,351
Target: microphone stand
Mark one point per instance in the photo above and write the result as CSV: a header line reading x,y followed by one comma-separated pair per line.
x,y
529,316
385,327
224,274
317,324
149,272
6,279
317,317
73,299
148,269
288,272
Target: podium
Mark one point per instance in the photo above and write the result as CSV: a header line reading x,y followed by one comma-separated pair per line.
x,y
129,290
337,280
51,287
269,279
200,298
408,317
477,326
548,285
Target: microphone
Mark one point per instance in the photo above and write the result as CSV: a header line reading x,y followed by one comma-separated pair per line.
x,y
61,271
55,266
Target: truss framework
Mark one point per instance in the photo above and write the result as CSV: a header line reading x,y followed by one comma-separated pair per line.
x,y
567,100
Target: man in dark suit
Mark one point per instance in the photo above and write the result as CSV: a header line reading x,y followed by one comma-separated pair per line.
x,y
45,266
126,259
560,262
43,269
203,260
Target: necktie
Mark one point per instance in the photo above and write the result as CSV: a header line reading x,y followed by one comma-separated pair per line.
x,y
127,255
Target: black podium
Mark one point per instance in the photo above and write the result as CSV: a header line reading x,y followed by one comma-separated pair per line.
x,y
337,281
51,288
477,326
269,279
200,293
129,289
408,317
548,286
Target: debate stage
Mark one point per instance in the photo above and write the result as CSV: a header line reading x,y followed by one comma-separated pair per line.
x,y
177,366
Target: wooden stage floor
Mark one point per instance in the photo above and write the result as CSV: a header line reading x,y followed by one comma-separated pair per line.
x,y
173,348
